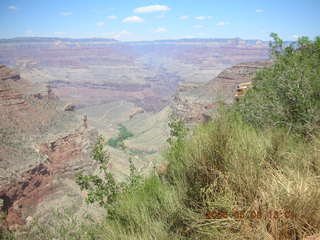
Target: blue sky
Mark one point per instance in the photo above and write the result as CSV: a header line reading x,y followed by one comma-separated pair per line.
x,y
162,19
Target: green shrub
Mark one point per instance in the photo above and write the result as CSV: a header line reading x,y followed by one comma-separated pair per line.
x,y
103,188
287,94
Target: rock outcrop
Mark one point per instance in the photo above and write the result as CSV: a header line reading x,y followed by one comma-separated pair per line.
x,y
69,107
7,73
241,90
196,103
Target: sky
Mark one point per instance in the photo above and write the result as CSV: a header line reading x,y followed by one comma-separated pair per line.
x,y
135,20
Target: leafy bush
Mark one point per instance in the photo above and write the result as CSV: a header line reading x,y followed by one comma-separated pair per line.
x,y
102,189
287,94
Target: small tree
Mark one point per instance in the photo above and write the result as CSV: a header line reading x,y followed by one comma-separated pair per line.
x,y
103,188
276,46
100,189
178,130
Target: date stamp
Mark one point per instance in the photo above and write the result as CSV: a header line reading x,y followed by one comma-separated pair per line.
x,y
245,214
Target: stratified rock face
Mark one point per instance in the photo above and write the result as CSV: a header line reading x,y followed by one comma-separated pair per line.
x,y
39,185
41,148
6,73
195,103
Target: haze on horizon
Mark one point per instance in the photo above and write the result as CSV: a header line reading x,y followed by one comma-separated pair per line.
x,y
137,20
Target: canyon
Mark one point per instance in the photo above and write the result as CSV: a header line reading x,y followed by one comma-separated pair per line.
x,y
57,95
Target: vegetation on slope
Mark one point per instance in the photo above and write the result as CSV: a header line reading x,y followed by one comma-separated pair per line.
x,y
251,173
124,133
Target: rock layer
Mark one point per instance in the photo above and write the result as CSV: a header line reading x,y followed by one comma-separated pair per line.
x,y
41,148
65,156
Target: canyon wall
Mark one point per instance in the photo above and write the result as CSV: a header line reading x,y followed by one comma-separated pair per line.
x,y
41,148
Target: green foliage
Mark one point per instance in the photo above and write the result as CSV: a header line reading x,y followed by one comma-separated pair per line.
x,y
178,133
124,134
103,188
134,179
6,235
113,142
287,94
143,210
178,130
276,46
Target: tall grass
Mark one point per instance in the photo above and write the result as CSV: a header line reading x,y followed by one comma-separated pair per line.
x,y
224,166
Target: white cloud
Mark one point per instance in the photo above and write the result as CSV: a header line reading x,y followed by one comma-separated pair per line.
x,y
160,30
152,8
100,24
12,7
133,19
222,23
197,26
65,14
259,10
184,17
112,17
295,36
200,18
